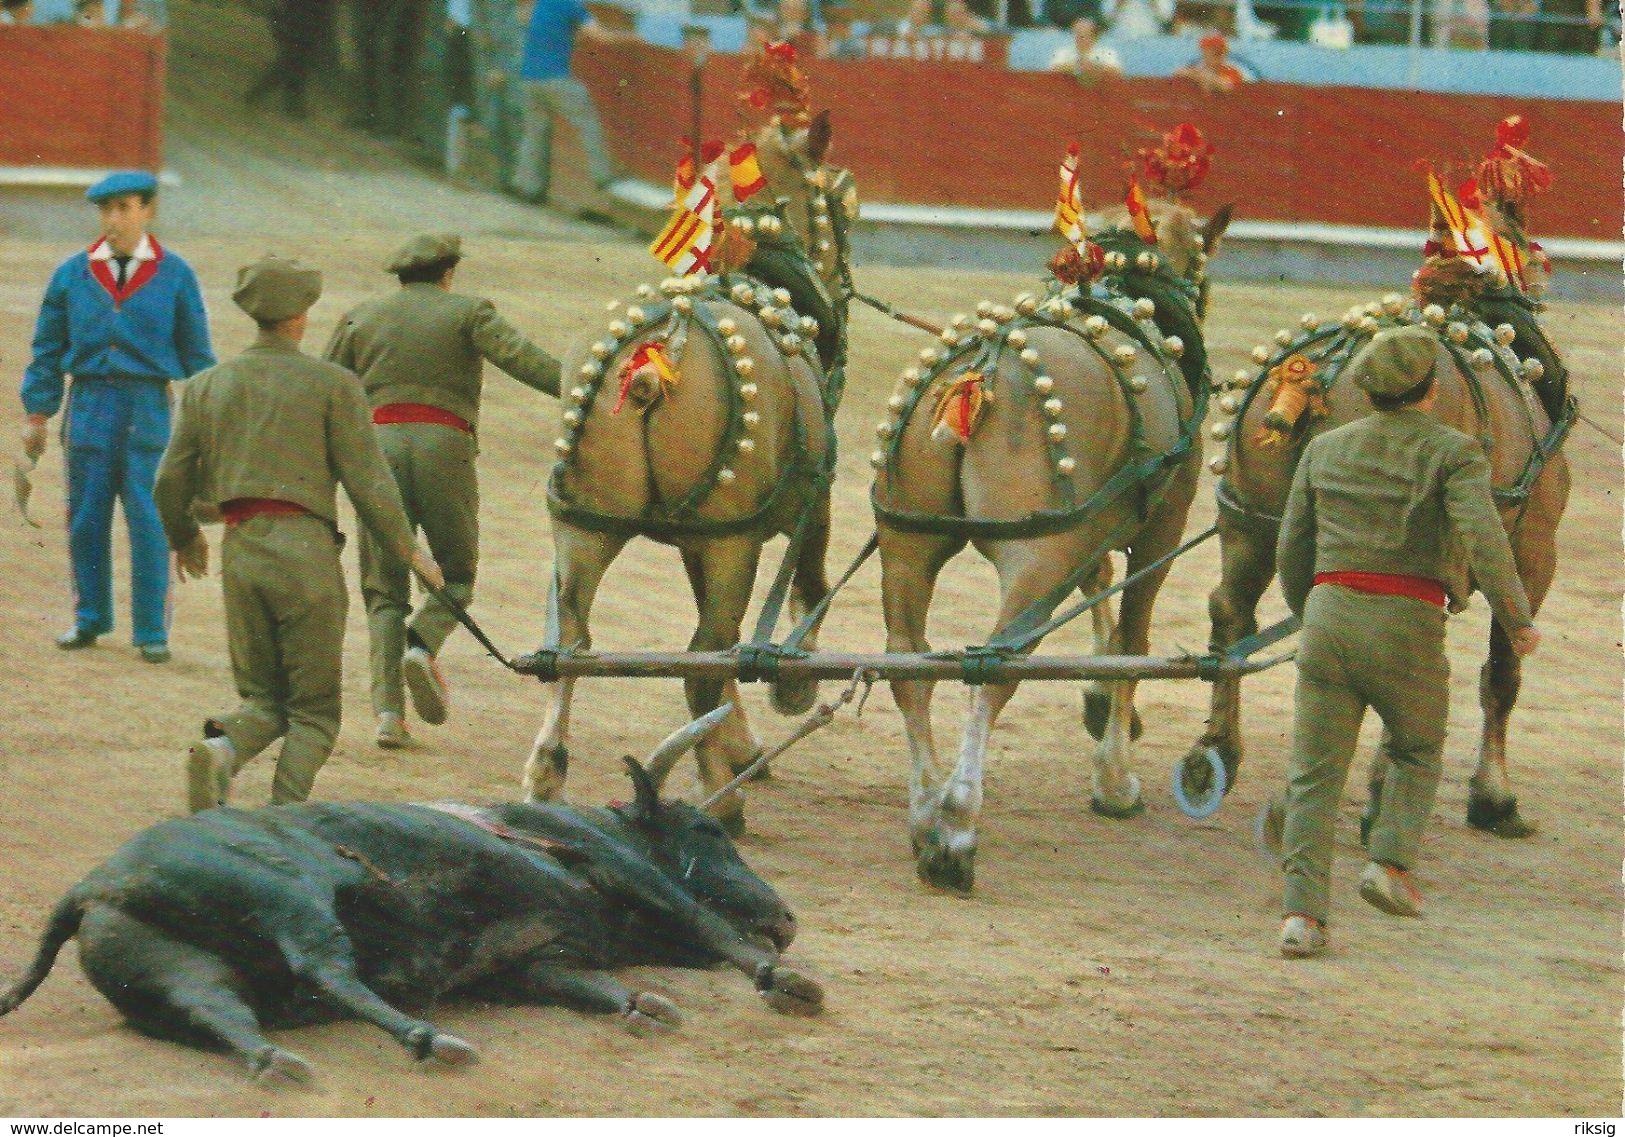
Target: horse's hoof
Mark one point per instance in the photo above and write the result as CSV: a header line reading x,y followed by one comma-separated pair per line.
x,y
1120,809
1200,783
953,870
1497,817
274,1066
793,696
761,774
791,992
650,1014
1097,708
449,1050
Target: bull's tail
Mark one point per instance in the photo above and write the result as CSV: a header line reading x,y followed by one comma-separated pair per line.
x,y
63,927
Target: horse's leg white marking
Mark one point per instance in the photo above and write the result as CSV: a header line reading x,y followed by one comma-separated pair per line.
x,y
909,567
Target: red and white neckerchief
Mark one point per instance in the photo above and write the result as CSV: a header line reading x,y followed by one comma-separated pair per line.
x,y
143,264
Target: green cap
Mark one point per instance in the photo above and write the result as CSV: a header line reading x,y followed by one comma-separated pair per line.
x,y
425,249
1395,361
273,289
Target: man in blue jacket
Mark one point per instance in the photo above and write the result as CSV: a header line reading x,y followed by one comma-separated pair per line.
x,y
548,89
124,319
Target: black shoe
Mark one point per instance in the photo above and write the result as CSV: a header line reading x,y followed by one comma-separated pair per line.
x,y
155,653
76,639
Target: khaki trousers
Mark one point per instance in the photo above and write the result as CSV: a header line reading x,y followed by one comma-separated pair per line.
x,y
285,608
434,470
1358,651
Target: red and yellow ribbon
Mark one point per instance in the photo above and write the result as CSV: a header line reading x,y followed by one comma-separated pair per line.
x,y
961,403
650,354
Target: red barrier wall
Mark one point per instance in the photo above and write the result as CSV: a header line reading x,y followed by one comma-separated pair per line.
x,y
81,97
957,134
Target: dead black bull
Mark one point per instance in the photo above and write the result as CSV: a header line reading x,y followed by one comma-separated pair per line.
x,y
205,929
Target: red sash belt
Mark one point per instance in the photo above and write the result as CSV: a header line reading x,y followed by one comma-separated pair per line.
x,y
1387,584
419,412
240,509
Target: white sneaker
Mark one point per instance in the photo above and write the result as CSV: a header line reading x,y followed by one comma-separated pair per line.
x,y
430,696
1390,889
1302,936
210,763
391,733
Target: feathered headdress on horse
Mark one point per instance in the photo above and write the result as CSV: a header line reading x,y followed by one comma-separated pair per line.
x,y
1508,175
774,85
1179,163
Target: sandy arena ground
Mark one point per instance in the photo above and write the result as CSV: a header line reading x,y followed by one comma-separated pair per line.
x,y
1120,968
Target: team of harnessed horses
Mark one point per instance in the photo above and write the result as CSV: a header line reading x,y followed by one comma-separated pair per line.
x,y
1047,432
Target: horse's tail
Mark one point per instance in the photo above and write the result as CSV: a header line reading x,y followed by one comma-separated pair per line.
x,y
63,926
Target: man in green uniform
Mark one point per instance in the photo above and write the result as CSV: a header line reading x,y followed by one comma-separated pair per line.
x,y
418,352
1386,517
266,438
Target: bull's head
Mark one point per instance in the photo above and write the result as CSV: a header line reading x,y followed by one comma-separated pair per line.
x,y
695,852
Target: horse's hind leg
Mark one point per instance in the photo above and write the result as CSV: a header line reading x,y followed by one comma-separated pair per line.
x,y
811,585
727,572
741,738
1247,557
173,990
1097,700
909,565
1116,790
580,560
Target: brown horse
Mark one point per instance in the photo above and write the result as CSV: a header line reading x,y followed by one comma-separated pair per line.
x,y
729,450
1486,390
734,451
1012,437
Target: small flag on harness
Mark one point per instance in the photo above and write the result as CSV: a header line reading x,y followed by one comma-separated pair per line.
x,y
1469,236
684,245
745,172
709,152
1140,213
1069,199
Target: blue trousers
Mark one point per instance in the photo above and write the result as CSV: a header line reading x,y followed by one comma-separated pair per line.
x,y
114,433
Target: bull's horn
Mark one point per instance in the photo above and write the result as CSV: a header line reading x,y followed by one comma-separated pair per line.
x,y
679,742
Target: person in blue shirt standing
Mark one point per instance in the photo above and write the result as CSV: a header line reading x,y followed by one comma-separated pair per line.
x,y
124,319
547,88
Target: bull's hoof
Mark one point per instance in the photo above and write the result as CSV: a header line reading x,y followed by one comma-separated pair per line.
x,y
940,866
1200,783
274,1067
449,1050
1097,708
794,696
1120,809
649,1014
790,992
1498,817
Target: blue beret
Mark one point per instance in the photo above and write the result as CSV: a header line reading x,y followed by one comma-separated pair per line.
x,y
123,181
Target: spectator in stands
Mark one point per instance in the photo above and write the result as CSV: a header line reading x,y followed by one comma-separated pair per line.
x,y
1380,21
90,13
16,12
1512,24
548,89
1213,71
1461,23
1086,60
922,18
1136,19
